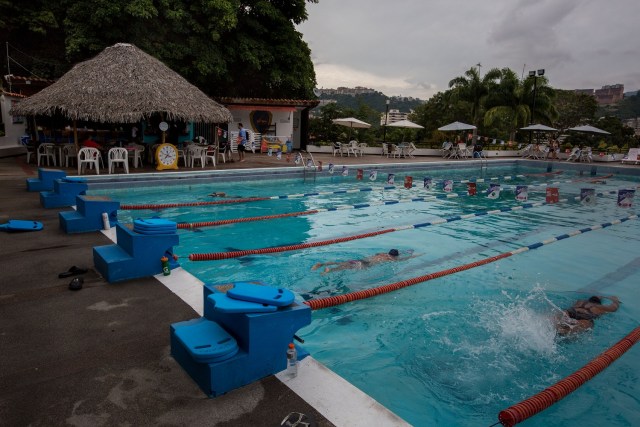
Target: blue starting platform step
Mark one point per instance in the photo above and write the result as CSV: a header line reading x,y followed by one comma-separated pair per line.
x,y
243,336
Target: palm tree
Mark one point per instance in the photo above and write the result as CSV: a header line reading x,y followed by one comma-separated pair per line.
x,y
473,89
511,102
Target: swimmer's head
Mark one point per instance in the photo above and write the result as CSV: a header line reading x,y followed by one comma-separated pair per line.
x,y
394,252
595,299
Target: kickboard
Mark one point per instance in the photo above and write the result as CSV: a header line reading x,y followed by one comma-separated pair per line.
x,y
261,294
222,303
21,225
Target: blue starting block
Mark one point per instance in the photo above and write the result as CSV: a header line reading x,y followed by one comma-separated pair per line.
x,y
88,216
64,193
44,181
241,338
135,255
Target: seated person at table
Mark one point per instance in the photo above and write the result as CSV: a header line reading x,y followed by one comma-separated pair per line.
x,y
91,144
477,149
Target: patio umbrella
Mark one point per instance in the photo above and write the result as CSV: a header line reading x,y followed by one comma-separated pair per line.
x,y
456,126
407,124
590,129
539,128
123,84
352,122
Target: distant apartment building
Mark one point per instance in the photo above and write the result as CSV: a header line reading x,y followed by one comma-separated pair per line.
x,y
392,117
607,95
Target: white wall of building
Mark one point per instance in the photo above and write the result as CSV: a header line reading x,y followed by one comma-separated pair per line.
x,y
14,127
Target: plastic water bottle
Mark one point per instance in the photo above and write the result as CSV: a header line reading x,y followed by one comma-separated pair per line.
x,y
292,361
166,269
105,221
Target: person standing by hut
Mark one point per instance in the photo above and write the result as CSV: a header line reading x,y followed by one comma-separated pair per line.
x,y
242,140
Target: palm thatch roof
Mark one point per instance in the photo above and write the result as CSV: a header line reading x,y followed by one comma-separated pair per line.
x,y
123,84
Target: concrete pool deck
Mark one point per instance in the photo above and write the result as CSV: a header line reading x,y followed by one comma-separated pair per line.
x,y
100,356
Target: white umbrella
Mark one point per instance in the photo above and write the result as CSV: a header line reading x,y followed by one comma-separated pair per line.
x,y
456,126
539,127
589,129
352,122
407,124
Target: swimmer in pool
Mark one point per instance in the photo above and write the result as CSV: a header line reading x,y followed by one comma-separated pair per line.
x,y
361,264
579,317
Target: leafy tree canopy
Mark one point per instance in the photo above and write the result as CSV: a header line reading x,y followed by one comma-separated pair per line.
x,y
243,48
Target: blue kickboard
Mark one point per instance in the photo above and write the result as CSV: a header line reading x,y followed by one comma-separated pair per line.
x,y
21,225
261,294
154,223
222,303
206,341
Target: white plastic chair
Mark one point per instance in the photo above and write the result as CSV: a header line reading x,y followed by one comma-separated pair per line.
x,y
353,147
575,154
385,149
196,154
135,151
69,153
632,156
337,148
447,149
586,156
31,151
411,149
46,151
395,151
118,155
89,156
211,154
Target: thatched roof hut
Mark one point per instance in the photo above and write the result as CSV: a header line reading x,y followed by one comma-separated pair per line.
x,y
123,84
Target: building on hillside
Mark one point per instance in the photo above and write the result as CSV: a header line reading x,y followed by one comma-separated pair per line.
x,y
26,86
358,90
585,91
392,116
610,94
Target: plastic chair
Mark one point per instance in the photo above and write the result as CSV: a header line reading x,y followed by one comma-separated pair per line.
x,y
210,154
385,149
575,154
46,151
395,151
353,147
136,151
196,154
586,156
117,156
89,156
411,149
632,156
25,140
447,149
69,153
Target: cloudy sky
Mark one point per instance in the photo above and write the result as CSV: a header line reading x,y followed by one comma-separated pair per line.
x,y
415,47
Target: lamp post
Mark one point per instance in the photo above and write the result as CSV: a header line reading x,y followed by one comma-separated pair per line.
x,y
535,75
386,116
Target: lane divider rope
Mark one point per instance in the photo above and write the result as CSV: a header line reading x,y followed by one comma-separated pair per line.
x,y
332,301
214,256
547,397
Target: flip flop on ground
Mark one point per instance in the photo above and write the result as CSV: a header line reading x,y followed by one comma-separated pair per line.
x,y
73,271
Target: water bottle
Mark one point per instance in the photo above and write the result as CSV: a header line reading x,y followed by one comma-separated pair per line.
x,y
166,269
105,221
292,361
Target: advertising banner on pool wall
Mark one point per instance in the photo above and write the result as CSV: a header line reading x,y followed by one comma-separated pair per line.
x,y
494,191
553,196
428,183
625,198
391,178
588,196
522,193
373,175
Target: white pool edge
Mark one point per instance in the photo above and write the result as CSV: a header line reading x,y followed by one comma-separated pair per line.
x,y
339,401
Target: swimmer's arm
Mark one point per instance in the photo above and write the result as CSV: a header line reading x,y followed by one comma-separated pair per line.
x,y
615,303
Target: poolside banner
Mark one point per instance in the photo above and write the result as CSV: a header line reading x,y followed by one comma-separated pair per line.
x,y
391,179
522,193
588,196
553,196
319,166
447,185
359,174
471,189
373,175
427,183
408,182
345,171
625,198
331,166
494,191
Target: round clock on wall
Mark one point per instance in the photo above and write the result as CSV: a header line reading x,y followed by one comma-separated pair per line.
x,y
166,157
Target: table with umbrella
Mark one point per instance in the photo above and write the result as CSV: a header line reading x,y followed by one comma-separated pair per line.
x,y
536,151
405,124
457,151
351,123
586,155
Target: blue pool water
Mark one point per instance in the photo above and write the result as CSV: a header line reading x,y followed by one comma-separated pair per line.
x,y
458,349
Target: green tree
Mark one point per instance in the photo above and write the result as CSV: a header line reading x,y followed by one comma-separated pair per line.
x,y
573,108
226,47
473,88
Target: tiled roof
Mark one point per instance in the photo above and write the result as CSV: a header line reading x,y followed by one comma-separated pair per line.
x,y
15,95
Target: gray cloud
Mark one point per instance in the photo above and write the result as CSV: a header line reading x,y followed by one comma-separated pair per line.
x,y
414,48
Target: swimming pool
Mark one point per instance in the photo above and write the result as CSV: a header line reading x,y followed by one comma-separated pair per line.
x,y
455,350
